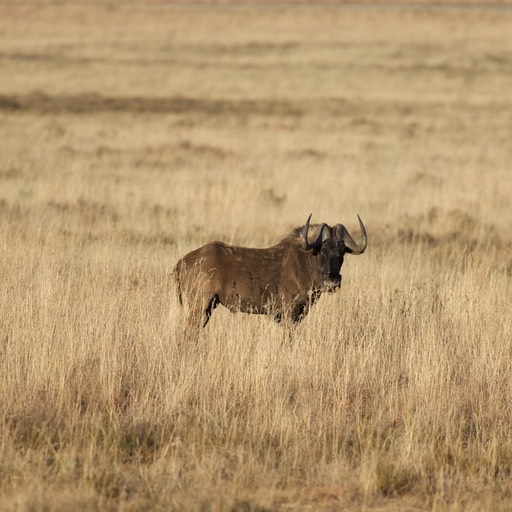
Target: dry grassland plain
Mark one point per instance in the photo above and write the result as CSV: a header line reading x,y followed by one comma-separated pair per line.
x,y
131,133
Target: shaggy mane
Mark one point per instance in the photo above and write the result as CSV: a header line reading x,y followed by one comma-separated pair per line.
x,y
296,232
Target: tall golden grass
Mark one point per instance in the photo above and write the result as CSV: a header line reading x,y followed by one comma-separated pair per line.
x,y
133,134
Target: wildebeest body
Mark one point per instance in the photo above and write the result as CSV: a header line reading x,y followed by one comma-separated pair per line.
x,y
252,280
282,280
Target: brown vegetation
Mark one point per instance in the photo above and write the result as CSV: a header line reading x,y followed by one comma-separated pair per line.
x,y
131,134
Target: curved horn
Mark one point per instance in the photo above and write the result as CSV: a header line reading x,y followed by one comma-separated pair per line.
x,y
304,234
352,247
319,239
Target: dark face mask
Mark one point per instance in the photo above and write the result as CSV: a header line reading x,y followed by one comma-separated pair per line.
x,y
330,262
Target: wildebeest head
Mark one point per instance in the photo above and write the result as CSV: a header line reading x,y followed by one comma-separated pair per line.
x,y
331,244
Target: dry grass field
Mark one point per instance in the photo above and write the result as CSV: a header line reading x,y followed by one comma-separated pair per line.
x,y
131,133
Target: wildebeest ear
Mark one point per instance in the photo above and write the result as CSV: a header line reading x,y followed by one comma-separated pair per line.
x,y
318,235
321,234
326,232
339,229
352,247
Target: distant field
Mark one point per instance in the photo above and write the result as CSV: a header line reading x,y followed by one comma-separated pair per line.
x,y
133,133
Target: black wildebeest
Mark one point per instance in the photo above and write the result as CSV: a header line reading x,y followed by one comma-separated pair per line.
x,y
282,280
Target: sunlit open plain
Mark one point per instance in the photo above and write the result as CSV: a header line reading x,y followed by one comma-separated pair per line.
x,y
132,133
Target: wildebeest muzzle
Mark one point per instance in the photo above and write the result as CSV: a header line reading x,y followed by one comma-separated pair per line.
x,y
331,283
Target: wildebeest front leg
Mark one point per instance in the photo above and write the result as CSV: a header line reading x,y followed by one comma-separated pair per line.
x,y
293,315
289,318
299,312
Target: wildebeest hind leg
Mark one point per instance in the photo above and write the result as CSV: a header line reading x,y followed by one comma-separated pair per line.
x,y
207,311
199,316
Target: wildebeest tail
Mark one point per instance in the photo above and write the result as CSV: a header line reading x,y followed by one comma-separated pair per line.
x,y
178,284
